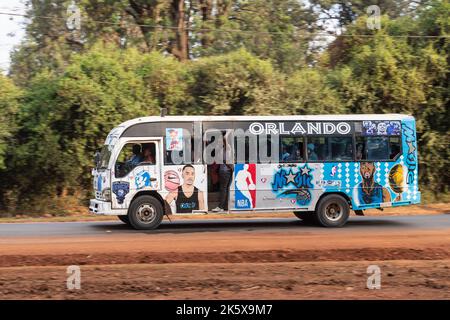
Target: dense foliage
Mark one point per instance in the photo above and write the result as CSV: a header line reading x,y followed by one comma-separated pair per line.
x,y
66,90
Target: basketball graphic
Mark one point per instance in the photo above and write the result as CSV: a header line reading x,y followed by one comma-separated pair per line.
x,y
397,180
171,180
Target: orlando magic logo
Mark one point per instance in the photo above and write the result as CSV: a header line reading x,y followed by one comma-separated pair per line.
x,y
301,181
120,189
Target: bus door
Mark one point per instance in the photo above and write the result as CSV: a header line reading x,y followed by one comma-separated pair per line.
x,y
136,168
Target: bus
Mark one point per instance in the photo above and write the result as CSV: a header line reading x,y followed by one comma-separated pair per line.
x,y
319,167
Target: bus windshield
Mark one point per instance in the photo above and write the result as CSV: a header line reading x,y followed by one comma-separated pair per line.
x,y
105,154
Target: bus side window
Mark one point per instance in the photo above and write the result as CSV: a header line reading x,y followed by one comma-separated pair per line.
x,y
291,149
133,155
317,148
361,152
394,147
341,148
377,148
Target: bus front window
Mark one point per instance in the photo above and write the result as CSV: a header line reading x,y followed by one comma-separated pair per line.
x,y
105,154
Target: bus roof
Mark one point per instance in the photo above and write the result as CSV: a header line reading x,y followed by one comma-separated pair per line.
x,y
331,117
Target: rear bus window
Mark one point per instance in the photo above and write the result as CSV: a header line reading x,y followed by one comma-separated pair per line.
x,y
377,148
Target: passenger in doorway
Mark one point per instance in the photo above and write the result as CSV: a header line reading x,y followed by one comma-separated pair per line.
x,y
148,155
225,173
311,154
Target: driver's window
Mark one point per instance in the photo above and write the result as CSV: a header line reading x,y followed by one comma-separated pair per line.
x,y
133,155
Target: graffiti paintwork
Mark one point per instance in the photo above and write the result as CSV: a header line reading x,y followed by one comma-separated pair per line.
x,y
370,191
142,180
289,185
381,128
181,178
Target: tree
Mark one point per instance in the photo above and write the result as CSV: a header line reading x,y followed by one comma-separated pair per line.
x,y
235,83
383,74
9,107
307,92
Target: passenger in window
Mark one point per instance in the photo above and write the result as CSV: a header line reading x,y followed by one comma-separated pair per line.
x,y
349,151
137,157
311,153
344,152
148,155
296,155
359,151
284,153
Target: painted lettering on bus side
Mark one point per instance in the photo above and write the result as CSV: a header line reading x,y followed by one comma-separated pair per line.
x,y
411,161
300,128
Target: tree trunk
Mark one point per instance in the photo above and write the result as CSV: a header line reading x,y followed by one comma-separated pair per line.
x,y
179,45
206,7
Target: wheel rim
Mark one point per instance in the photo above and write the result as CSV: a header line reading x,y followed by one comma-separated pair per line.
x,y
334,211
146,213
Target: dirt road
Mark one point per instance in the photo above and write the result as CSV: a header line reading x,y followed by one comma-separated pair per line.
x,y
228,259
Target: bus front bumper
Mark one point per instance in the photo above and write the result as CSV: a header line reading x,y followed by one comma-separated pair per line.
x,y
100,207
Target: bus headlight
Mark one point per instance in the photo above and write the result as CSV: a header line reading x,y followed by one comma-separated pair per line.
x,y
106,194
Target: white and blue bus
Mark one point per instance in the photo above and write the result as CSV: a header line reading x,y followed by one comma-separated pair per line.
x,y
318,167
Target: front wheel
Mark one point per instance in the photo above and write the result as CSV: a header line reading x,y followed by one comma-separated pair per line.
x,y
124,218
145,213
332,211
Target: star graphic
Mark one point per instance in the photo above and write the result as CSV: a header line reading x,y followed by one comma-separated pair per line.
x,y
305,170
411,147
290,177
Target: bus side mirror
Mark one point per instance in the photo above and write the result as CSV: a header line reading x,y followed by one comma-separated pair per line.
x,y
97,158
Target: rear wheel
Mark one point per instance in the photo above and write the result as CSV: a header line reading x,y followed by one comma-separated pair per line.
x,y
332,211
306,216
124,219
145,213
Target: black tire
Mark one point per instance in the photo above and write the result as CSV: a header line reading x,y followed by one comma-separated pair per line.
x,y
332,211
306,216
124,219
145,213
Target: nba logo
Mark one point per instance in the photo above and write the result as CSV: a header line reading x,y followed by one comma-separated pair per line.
x,y
245,186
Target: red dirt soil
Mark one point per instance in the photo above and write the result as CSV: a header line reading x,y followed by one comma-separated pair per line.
x,y
237,264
